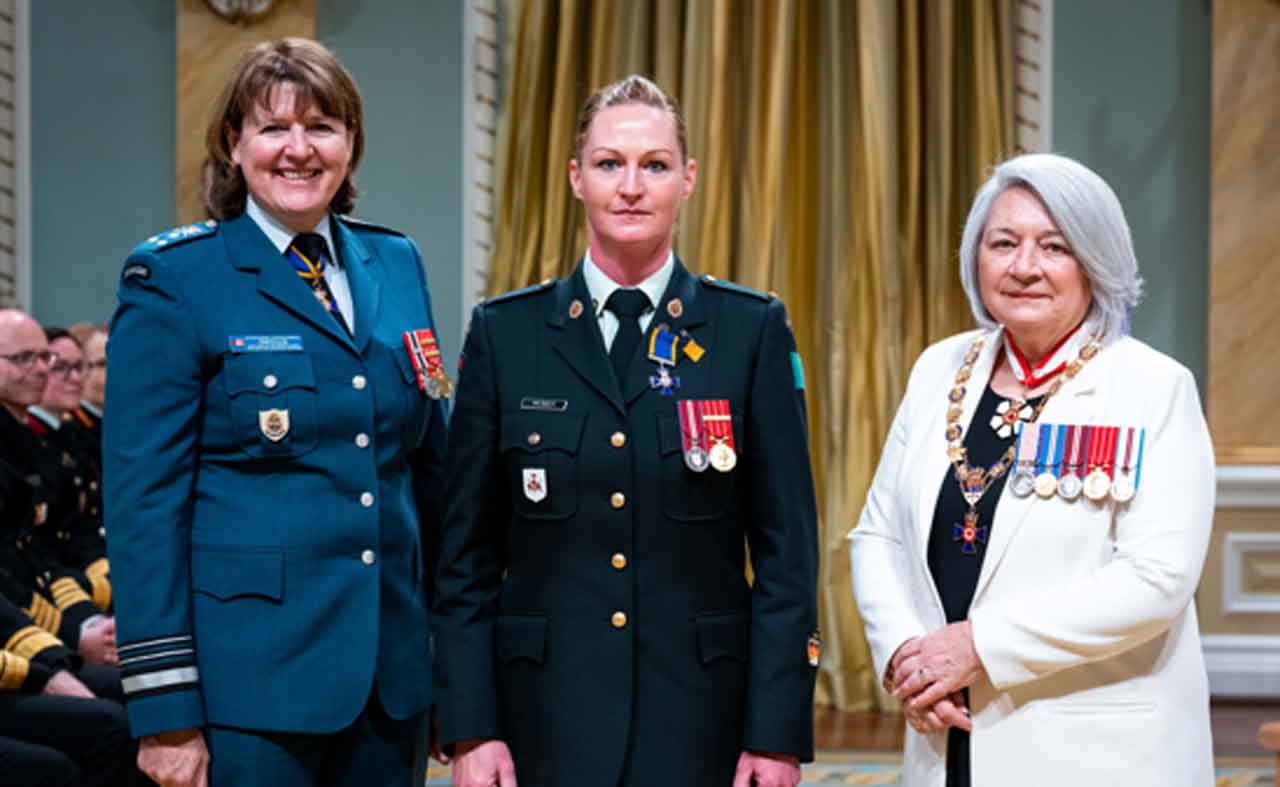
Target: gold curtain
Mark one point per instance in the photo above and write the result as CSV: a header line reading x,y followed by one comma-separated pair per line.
x,y
839,143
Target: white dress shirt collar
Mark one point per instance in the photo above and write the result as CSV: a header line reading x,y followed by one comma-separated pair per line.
x,y
281,236
50,420
600,286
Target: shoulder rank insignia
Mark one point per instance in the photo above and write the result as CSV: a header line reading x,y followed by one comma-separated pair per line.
x,y
545,284
729,286
361,224
178,235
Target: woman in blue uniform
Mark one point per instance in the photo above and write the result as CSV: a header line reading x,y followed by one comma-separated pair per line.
x,y
620,435
272,457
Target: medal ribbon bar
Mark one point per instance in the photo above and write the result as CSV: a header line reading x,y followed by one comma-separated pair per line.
x,y
1137,465
662,347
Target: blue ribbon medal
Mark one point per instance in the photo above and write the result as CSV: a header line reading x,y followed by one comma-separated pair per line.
x,y
663,345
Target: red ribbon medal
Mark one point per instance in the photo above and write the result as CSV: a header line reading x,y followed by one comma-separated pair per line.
x,y
1102,450
719,426
427,363
693,440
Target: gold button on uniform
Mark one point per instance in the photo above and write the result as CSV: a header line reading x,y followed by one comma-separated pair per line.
x,y
617,500
618,439
619,560
534,438
619,620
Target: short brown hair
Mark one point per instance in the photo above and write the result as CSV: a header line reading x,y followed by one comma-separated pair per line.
x,y
635,89
319,79
81,331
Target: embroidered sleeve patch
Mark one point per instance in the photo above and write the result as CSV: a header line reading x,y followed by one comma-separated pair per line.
x,y
797,370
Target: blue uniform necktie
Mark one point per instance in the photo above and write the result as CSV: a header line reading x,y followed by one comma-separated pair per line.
x,y
308,254
627,306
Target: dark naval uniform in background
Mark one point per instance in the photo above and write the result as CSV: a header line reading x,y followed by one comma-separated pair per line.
x,y
47,739
271,486
599,619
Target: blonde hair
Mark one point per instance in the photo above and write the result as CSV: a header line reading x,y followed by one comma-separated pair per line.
x,y
635,89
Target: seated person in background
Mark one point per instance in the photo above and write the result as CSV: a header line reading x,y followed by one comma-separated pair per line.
x,y
46,593
79,539
61,721
26,363
29,504
93,341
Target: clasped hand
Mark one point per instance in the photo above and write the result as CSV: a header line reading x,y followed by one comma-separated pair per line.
x,y
927,676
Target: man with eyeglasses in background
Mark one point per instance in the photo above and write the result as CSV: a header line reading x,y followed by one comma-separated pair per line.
x,y
78,539
35,504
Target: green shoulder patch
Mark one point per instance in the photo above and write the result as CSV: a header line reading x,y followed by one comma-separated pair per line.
x,y
177,236
545,284
729,286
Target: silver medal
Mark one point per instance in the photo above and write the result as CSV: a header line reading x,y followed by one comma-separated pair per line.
x,y
1022,482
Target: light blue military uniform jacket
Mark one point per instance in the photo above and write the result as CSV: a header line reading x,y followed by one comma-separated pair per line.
x,y
263,581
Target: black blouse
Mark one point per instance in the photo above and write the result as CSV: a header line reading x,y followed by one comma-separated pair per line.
x,y
955,573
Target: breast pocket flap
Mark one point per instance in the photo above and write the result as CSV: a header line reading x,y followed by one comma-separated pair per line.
x,y
723,635
536,432
522,637
232,573
268,372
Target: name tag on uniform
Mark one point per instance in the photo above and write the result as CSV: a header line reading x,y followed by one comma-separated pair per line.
x,y
544,405
263,343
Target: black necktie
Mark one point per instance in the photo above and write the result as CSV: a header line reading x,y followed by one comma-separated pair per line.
x,y
309,258
627,305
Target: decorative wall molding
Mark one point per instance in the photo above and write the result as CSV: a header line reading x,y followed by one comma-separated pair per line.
x,y
22,145
1033,76
1242,666
481,78
1248,486
1236,599
15,154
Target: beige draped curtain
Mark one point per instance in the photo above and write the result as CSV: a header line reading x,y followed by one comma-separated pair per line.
x,y
839,143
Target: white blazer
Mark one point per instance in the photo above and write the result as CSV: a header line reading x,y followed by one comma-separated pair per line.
x,y
1083,614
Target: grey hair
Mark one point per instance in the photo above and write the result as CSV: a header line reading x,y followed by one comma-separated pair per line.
x,y
1089,215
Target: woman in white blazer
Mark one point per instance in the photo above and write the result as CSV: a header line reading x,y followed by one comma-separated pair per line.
x,y
1029,548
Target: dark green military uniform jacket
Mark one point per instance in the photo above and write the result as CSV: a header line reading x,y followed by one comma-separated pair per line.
x,y
601,623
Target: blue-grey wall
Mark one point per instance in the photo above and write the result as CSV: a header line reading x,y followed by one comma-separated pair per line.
x,y
1131,99
102,160
103,87
406,56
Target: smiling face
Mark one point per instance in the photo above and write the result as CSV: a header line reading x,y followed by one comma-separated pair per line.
x,y
95,375
293,163
1030,280
66,377
21,384
632,179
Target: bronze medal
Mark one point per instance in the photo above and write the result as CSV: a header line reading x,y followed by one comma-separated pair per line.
x,y
1096,486
1046,485
723,458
